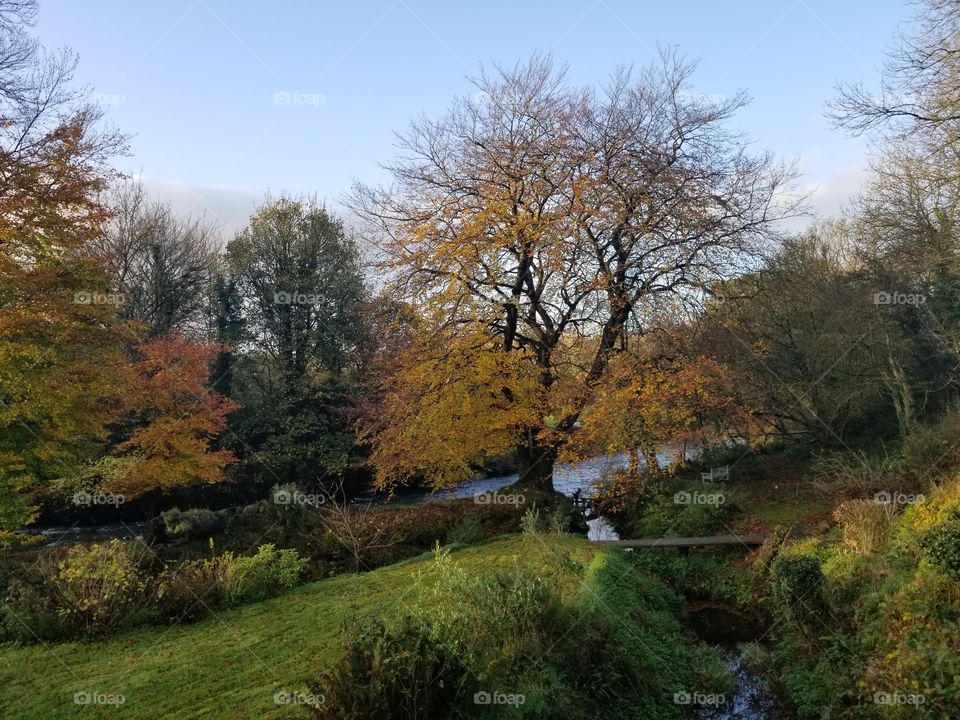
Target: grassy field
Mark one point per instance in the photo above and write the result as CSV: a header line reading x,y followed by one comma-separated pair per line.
x,y
230,665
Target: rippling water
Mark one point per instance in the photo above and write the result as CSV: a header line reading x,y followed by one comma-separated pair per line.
x,y
567,479
751,698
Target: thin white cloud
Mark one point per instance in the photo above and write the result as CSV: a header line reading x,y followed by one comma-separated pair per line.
x,y
229,209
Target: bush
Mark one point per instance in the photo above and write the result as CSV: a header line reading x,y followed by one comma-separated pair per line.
x,y
404,672
97,587
683,514
86,591
764,556
620,494
735,454
933,449
867,525
192,524
263,575
797,584
189,590
465,532
858,473
941,544
80,591
530,522
28,612
613,648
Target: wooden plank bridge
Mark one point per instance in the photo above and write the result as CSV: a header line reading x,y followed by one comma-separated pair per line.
x,y
686,542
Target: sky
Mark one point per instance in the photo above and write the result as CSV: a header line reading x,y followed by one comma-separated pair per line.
x,y
228,101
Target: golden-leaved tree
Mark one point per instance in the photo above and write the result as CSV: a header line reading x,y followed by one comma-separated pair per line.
x,y
543,222
68,385
60,348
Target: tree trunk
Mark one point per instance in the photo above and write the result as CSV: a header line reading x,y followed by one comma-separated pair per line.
x,y
535,464
651,459
154,531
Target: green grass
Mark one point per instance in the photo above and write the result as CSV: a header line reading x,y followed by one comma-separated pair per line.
x,y
795,500
230,665
795,507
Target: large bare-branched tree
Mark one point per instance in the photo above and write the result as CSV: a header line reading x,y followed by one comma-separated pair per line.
x,y
542,219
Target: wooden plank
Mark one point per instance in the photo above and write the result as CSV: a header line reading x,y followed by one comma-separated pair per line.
x,y
749,540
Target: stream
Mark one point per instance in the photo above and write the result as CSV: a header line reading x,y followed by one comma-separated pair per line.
x,y
724,628
751,698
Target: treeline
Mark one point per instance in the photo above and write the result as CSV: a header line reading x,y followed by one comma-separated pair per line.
x,y
566,270
137,354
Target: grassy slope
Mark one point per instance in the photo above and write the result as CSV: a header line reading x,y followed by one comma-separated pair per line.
x,y
229,666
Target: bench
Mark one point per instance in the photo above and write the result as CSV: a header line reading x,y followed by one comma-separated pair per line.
x,y
717,473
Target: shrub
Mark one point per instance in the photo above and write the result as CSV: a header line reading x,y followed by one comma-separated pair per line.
x,y
613,648
669,514
621,494
189,590
765,555
941,543
866,525
402,672
934,448
287,505
797,584
465,532
358,527
28,612
856,472
191,524
918,646
530,522
95,588
734,453
263,575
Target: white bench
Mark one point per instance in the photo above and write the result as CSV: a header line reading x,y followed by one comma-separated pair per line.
x,y
717,473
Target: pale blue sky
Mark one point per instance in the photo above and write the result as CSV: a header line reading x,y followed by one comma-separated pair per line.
x,y
194,80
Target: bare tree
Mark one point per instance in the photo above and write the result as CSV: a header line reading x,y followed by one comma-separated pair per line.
x,y
353,524
162,263
920,89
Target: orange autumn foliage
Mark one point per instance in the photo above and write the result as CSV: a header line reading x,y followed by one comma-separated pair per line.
x,y
182,415
653,401
445,405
